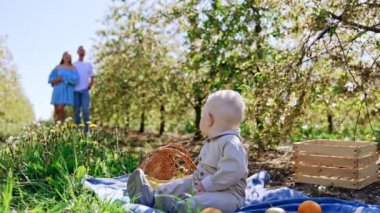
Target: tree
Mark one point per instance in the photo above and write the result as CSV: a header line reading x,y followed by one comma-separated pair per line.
x,y
136,54
277,54
289,59
16,110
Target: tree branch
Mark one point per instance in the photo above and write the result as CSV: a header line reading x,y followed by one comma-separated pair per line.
x,y
305,50
346,63
369,4
357,120
374,61
356,25
185,96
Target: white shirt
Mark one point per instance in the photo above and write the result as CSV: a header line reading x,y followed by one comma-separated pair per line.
x,y
85,72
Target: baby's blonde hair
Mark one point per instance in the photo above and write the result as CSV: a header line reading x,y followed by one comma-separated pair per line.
x,y
227,106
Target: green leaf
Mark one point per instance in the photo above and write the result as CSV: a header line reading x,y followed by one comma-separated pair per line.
x,y
59,207
323,14
80,172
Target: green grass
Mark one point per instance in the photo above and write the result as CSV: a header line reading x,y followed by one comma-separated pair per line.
x,y
41,169
361,133
6,194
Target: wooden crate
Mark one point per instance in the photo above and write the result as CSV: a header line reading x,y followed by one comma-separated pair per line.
x,y
338,163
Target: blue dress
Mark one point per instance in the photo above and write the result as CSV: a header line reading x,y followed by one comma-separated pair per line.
x,y
63,93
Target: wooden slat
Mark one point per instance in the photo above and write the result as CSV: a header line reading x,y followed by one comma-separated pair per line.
x,y
367,181
346,173
367,171
339,143
327,150
351,184
368,160
324,160
366,150
303,142
336,142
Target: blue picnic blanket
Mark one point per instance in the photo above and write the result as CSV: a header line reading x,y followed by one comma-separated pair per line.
x,y
258,198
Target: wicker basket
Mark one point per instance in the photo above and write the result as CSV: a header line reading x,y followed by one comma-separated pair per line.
x,y
168,162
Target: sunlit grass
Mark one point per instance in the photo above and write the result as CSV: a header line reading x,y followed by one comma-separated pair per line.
x,y
41,169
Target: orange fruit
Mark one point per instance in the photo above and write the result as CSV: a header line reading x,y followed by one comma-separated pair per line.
x,y
211,210
309,206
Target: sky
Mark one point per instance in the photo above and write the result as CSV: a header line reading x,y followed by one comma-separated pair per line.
x,y
39,31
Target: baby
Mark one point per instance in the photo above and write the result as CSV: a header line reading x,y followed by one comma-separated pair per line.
x,y
220,178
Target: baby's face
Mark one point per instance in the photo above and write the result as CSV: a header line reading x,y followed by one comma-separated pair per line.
x,y
203,124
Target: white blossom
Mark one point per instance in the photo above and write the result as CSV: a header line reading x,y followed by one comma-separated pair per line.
x,y
314,78
267,120
215,38
362,96
224,27
10,139
219,17
37,123
284,97
293,100
350,86
293,78
269,102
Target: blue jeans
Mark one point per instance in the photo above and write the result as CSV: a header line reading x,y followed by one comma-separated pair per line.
x,y
82,103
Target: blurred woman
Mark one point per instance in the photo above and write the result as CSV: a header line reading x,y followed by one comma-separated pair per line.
x,y
63,79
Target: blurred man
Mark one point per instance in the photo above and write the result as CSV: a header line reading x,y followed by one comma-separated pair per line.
x,y
82,94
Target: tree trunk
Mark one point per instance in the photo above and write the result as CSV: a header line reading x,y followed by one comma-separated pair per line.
x,y
331,123
260,143
162,117
198,113
128,124
127,120
142,122
259,41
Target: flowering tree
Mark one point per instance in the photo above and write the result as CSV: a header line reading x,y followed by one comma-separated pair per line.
x,y
136,55
289,59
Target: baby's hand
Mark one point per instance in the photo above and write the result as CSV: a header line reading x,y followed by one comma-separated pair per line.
x,y
200,188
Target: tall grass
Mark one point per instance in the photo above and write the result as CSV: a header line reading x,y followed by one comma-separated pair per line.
x,y
41,169
6,194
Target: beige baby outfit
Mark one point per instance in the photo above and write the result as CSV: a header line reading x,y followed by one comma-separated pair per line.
x,y
222,169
